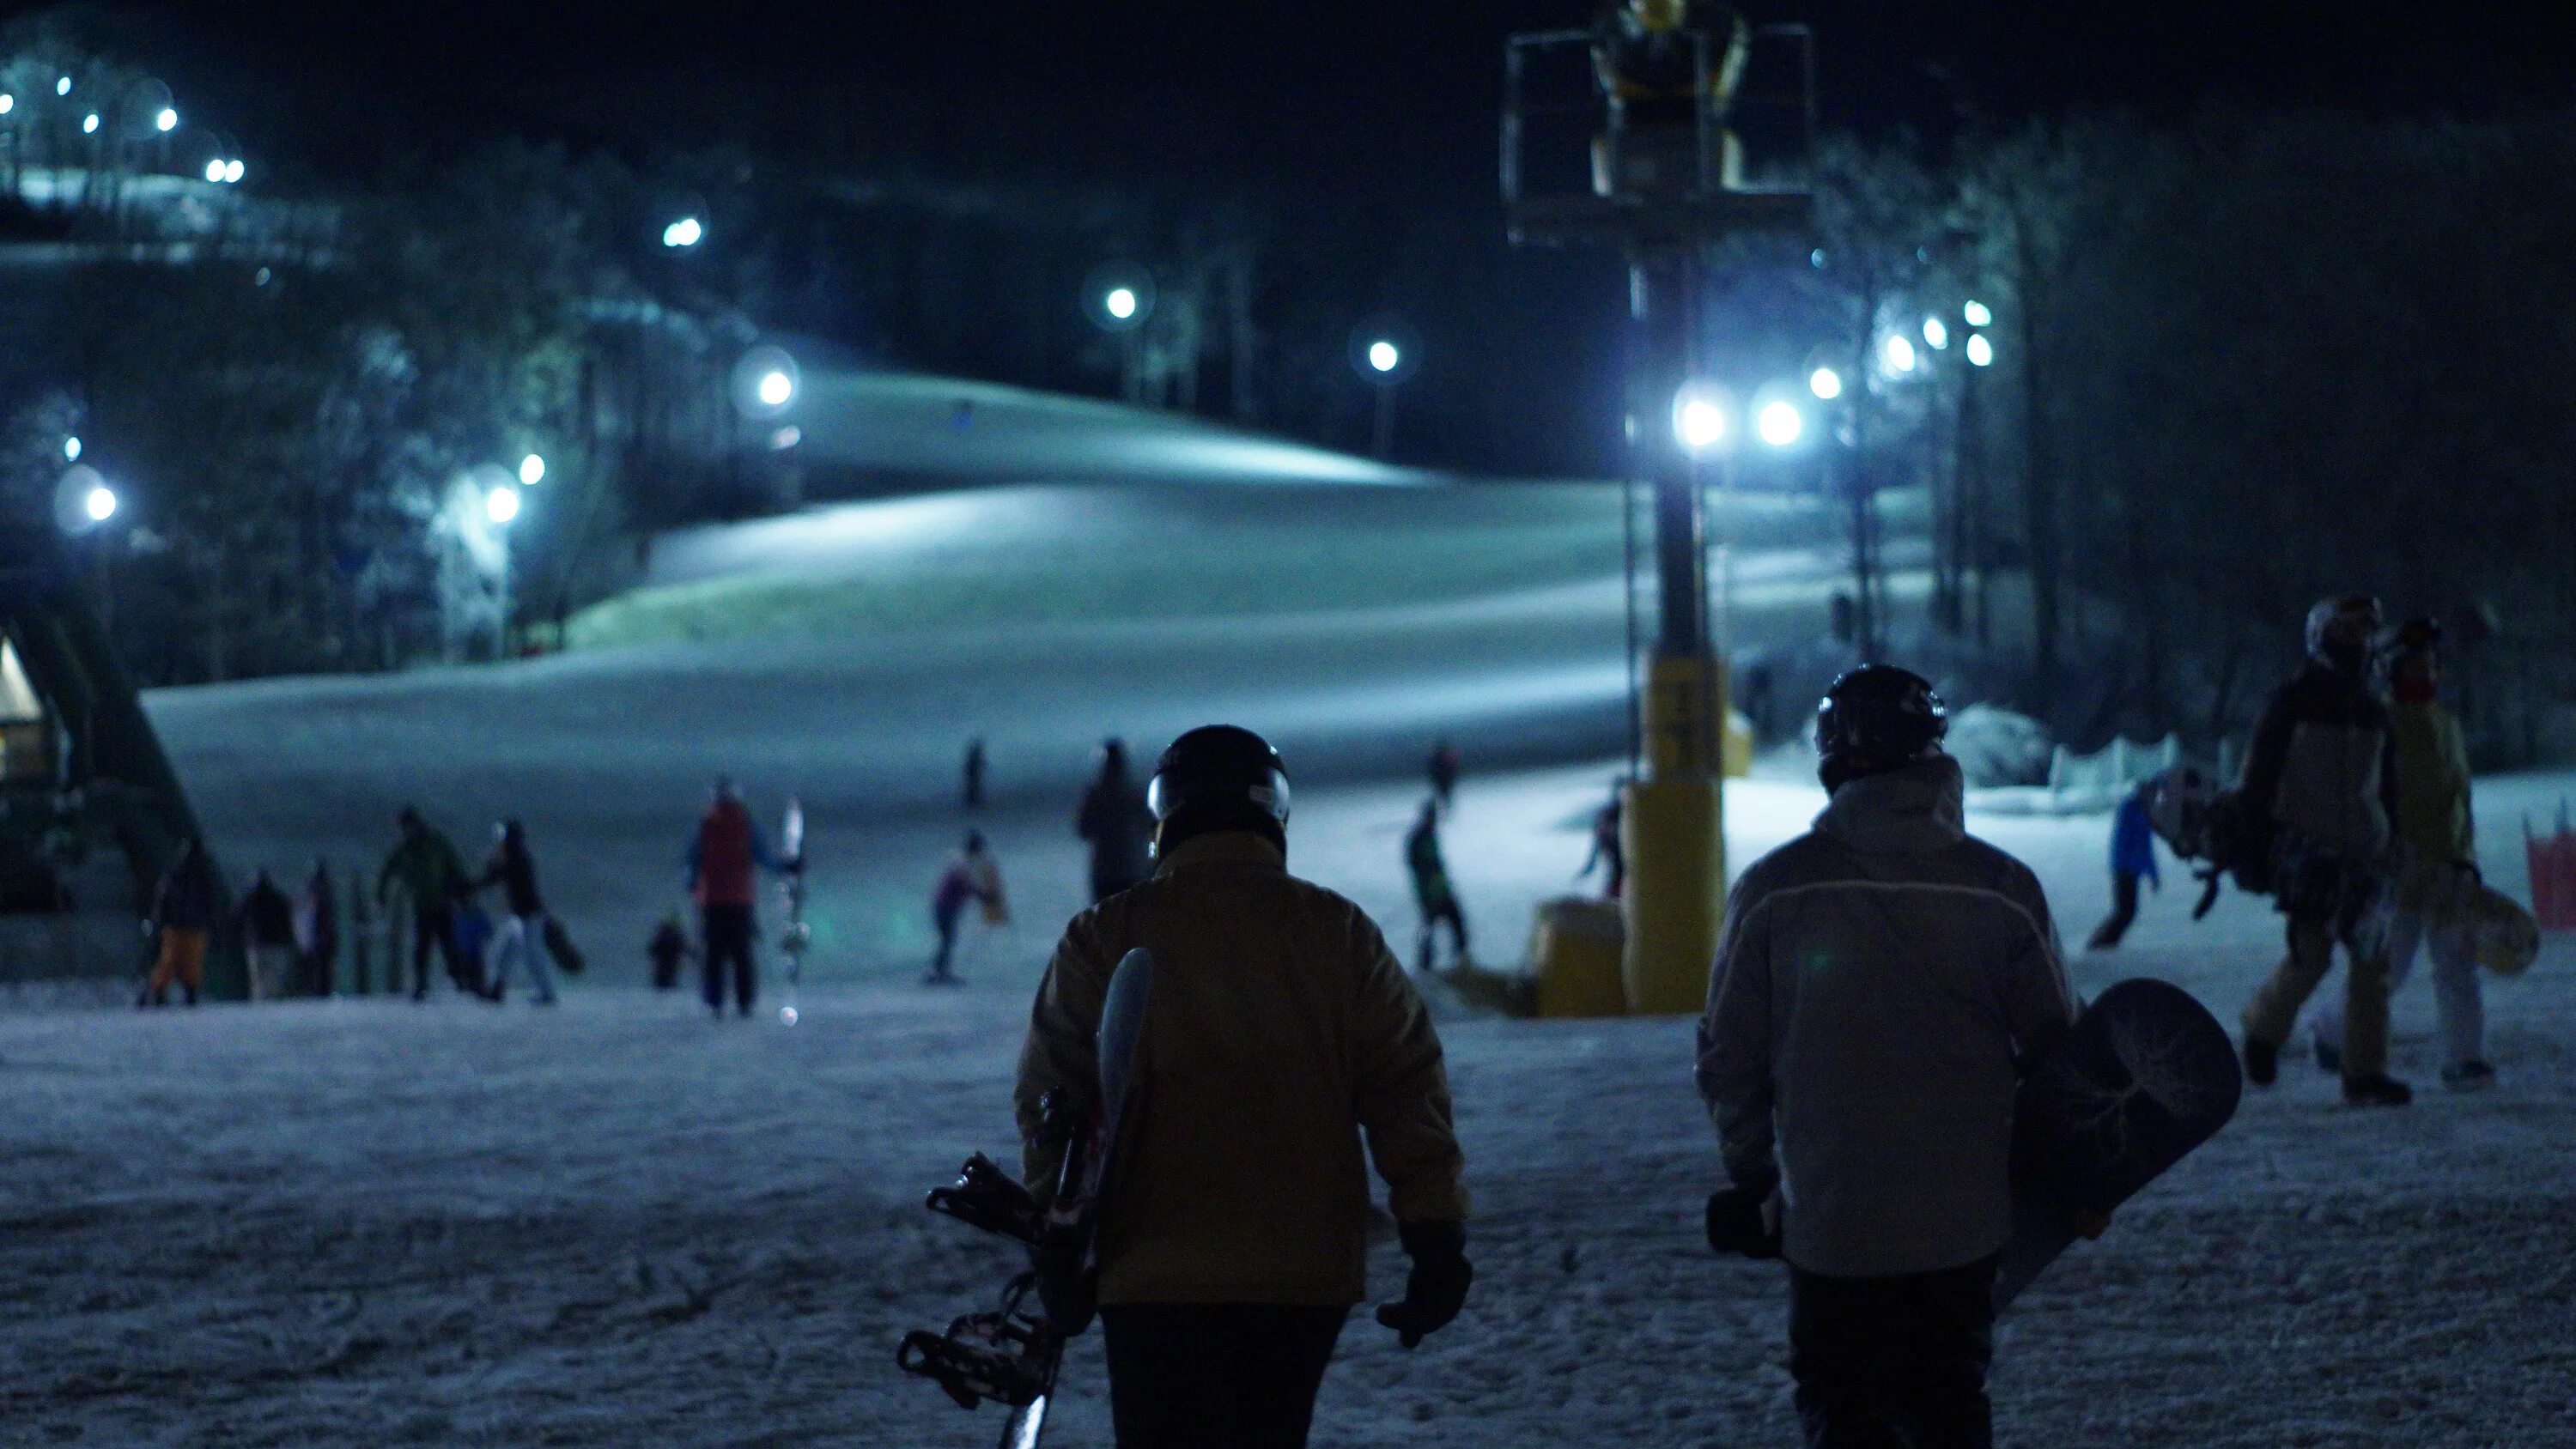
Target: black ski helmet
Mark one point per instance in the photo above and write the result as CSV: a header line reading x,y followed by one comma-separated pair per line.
x,y
1876,718
1219,777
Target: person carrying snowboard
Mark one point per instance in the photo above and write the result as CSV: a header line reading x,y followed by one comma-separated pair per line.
x,y
425,863
185,908
1432,891
1280,1031
972,876
1881,982
2437,864
1115,822
2133,858
723,857
518,940
2322,771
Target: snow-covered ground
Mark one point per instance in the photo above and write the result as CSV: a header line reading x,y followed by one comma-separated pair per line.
x,y
617,1223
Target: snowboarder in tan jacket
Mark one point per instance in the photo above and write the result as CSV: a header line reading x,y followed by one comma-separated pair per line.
x,y
1280,1033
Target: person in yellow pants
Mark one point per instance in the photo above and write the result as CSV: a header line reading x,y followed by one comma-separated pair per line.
x,y
184,912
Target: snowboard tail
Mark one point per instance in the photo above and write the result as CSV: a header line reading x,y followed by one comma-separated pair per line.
x,y
2145,1077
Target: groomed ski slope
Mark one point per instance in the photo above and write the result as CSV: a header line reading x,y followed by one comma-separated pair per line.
x,y
616,1223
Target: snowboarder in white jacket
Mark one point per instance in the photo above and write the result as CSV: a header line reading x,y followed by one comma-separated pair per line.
x,y
1881,985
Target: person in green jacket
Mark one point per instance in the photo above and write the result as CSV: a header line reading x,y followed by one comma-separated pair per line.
x,y
425,863
2437,862
1431,888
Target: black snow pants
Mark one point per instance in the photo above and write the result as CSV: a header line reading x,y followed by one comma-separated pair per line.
x,y
1435,915
436,926
727,937
1216,1375
2124,913
1887,1363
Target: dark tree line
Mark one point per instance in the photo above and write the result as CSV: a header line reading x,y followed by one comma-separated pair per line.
x,y
2239,363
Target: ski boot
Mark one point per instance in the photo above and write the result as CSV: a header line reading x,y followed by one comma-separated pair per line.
x,y
2262,1062
984,1196
2379,1091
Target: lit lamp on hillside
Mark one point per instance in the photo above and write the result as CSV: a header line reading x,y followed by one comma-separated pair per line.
x,y
1119,300
1384,352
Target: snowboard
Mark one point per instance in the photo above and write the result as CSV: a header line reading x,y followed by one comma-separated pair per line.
x,y
792,941
2146,1076
559,945
1010,1355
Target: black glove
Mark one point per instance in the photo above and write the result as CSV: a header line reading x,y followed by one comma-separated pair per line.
x,y
1736,1224
1438,1287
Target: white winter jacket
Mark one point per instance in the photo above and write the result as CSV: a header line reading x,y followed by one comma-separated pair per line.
x,y
1881,984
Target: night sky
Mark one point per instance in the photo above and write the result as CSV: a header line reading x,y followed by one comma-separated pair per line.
x,y
1405,90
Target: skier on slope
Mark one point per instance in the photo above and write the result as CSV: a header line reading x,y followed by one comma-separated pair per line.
x,y
2133,858
1115,822
1879,984
1609,852
317,931
723,856
972,876
425,863
1232,1237
1432,892
2437,870
519,941
2323,773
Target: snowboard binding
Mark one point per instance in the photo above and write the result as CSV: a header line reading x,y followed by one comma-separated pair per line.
x,y
986,1197
1005,1356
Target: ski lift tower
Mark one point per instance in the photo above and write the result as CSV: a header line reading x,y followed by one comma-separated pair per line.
x,y
1654,99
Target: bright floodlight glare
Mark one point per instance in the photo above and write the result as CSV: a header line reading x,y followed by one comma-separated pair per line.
x,y
1897,353
233,172
1698,420
215,171
71,449
686,232
1780,424
776,388
1977,314
502,504
1120,303
532,470
1825,383
89,124
63,86
8,103
1383,355
787,1015
168,120
1936,332
1981,353
100,504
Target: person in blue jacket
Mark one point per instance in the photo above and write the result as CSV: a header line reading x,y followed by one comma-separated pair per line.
x,y
2133,855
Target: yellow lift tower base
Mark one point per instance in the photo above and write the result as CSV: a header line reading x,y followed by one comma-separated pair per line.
x,y
1676,890
1672,827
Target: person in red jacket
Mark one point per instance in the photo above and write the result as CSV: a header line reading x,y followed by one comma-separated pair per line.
x,y
723,857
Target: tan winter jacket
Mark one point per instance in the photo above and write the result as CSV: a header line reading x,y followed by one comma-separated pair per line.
x,y
1280,1028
